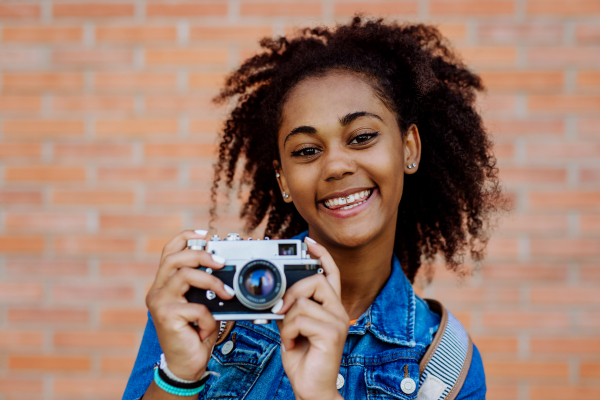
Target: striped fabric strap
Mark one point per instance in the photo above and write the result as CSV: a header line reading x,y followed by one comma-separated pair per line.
x,y
445,365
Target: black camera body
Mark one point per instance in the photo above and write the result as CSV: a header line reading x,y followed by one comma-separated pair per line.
x,y
260,271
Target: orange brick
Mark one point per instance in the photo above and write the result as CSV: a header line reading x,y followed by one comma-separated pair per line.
x,y
504,150
589,370
43,127
20,291
589,175
525,272
471,7
30,81
92,103
498,247
136,127
20,197
186,56
590,223
569,346
134,81
560,56
564,199
156,244
19,385
564,103
128,268
533,175
140,222
588,79
205,126
206,80
85,151
563,392
477,295
20,103
588,33
563,8
88,291
150,174
530,32
117,364
496,103
94,339
453,31
522,80
566,296
574,248
588,127
521,320
273,9
45,174
92,58
41,267
15,338
92,197
46,221
527,369
9,150
19,244
49,363
502,392
19,11
78,244
487,344
108,387
136,34
539,224
202,174
42,34
382,8
519,128
488,55
184,150
93,10
47,315
178,198
589,272
19,57
234,33
561,150
179,103
180,9
120,316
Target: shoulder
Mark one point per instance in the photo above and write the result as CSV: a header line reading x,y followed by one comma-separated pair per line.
x,y
474,387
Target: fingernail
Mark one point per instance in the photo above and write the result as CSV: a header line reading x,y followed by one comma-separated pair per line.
x,y
206,340
282,347
218,259
229,289
277,307
200,231
310,240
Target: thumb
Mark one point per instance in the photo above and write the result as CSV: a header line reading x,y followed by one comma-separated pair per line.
x,y
332,272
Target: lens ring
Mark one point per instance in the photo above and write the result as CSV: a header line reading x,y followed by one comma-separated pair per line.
x,y
259,284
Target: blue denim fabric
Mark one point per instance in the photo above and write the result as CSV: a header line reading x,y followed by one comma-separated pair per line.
x,y
393,333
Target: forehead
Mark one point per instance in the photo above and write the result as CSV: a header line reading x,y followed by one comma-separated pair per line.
x,y
330,97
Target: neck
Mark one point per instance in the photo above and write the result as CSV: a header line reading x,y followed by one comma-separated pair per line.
x,y
364,271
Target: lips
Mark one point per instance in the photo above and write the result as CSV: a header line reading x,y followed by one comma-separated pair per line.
x,y
347,202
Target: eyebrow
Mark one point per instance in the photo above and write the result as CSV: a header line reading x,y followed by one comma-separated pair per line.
x,y
345,120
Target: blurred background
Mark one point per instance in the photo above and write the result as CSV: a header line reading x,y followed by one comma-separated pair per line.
x,y
107,137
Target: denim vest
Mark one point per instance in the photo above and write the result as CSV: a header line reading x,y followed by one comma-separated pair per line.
x,y
390,338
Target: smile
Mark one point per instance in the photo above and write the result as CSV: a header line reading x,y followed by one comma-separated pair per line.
x,y
348,202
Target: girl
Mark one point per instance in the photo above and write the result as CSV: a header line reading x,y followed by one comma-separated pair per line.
x,y
364,142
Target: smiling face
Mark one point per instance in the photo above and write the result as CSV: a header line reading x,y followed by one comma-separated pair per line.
x,y
343,159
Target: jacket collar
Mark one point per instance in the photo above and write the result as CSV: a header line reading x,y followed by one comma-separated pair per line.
x,y
391,317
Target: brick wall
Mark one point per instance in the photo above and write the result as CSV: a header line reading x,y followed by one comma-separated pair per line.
x,y
107,136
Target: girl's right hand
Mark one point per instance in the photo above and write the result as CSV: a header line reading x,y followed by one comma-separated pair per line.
x,y
187,348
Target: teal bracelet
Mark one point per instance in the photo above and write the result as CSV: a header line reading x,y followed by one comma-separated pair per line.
x,y
172,389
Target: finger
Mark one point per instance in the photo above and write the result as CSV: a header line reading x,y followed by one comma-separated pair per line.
x,y
320,334
179,242
332,272
185,258
180,282
316,287
310,308
177,316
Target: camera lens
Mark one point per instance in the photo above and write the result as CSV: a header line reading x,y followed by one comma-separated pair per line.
x,y
259,284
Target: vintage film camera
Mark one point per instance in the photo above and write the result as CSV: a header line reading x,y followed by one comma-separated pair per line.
x,y
259,271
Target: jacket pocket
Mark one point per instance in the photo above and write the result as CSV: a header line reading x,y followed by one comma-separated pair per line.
x,y
384,381
239,367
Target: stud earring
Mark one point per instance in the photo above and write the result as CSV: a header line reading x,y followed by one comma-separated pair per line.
x,y
277,174
285,196
414,165
409,166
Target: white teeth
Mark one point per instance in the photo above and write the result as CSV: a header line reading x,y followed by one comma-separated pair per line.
x,y
336,202
351,199
348,199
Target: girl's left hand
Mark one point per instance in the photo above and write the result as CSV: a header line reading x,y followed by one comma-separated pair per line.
x,y
314,330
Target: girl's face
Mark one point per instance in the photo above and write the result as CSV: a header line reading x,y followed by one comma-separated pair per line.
x,y
343,159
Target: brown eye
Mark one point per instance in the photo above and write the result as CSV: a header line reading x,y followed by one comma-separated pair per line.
x,y
306,152
363,138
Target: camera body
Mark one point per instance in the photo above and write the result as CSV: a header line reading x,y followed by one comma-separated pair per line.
x,y
260,271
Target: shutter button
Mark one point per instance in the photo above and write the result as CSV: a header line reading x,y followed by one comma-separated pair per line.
x,y
339,382
227,347
408,385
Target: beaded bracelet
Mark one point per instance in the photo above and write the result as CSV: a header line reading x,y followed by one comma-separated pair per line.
x,y
173,389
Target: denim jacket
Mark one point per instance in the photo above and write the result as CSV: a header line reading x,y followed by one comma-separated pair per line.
x,y
392,334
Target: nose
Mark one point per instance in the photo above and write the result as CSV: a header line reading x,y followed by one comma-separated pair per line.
x,y
338,164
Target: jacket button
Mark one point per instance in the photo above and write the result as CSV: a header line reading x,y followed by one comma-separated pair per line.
x,y
408,385
339,382
227,348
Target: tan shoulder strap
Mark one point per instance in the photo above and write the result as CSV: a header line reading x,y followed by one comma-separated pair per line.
x,y
224,331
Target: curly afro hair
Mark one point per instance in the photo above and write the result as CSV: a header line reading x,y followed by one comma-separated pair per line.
x,y
446,207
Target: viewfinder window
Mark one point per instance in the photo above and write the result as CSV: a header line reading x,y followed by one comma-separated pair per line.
x,y
287,249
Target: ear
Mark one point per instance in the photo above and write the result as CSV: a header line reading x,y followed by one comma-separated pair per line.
x,y
281,181
412,150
